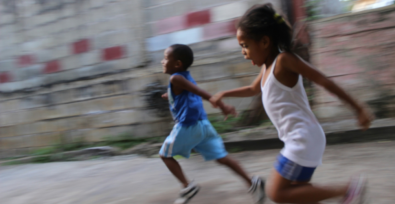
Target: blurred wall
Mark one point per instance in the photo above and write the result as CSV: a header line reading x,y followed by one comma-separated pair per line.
x,y
73,70
357,51
45,42
61,65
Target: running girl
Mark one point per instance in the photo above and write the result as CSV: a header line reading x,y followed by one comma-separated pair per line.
x,y
265,39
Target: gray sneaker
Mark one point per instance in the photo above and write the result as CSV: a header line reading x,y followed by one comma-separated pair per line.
x,y
257,190
187,193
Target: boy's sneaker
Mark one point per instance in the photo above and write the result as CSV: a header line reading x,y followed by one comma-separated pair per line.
x,y
356,191
257,190
187,193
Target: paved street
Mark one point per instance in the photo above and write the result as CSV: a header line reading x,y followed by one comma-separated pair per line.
x,y
136,180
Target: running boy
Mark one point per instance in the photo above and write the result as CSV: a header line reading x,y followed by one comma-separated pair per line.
x,y
192,129
265,39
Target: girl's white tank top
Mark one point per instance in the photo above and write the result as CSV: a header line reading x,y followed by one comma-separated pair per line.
x,y
290,112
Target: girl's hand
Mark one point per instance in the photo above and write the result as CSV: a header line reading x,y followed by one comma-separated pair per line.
x,y
215,99
164,96
364,118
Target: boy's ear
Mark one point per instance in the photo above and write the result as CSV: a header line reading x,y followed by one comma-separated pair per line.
x,y
178,64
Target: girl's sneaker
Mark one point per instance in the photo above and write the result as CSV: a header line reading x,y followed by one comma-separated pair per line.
x,y
257,190
356,191
187,193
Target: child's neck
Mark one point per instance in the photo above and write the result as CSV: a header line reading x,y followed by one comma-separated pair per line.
x,y
271,57
178,71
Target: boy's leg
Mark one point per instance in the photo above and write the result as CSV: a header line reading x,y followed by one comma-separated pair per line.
x,y
212,148
281,190
234,165
175,169
179,142
255,185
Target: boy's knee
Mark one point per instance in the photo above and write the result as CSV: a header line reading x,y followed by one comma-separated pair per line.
x,y
223,160
165,158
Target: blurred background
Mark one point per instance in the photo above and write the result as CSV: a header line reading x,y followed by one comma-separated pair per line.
x,y
77,73
81,80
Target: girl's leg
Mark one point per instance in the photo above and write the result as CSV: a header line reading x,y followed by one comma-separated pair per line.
x,y
234,165
281,190
176,170
302,184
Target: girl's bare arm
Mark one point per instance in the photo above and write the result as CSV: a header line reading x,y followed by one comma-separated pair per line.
x,y
297,65
245,91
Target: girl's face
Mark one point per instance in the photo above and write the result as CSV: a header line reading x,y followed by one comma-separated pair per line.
x,y
256,51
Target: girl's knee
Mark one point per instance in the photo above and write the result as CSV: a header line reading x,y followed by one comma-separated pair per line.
x,y
277,198
275,195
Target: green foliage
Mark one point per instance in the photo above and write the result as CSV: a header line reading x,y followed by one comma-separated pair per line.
x,y
224,126
9,163
73,146
178,157
233,123
123,144
235,149
125,141
45,151
312,9
266,123
42,159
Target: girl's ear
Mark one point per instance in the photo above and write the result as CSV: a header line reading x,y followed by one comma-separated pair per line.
x,y
265,42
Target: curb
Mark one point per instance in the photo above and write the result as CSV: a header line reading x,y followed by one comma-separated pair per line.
x,y
332,138
63,156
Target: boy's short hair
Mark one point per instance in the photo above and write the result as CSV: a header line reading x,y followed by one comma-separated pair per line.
x,y
183,53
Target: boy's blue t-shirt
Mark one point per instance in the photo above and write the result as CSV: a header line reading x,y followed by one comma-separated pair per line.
x,y
187,107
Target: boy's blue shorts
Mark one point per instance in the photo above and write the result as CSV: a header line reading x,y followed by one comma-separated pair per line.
x,y
201,137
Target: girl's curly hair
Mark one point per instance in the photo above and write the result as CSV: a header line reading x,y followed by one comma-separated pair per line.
x,y
262,20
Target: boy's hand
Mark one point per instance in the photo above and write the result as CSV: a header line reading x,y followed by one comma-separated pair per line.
x,y
364,118
228,110
164,96
215,99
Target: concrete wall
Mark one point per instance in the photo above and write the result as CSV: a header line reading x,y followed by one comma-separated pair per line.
x,y
73,70
356,51
59,70
47,42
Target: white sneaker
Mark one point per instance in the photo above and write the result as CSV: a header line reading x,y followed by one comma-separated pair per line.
x,y
187,193
257,190
356,191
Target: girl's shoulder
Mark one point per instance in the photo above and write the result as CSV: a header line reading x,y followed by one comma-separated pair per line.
x,y
285,56
287,59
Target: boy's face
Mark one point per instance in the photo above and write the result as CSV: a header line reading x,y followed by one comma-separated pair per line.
x,y
256,51
169,64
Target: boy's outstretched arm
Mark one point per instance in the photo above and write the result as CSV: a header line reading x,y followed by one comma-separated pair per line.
x,y
297,65
181,83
